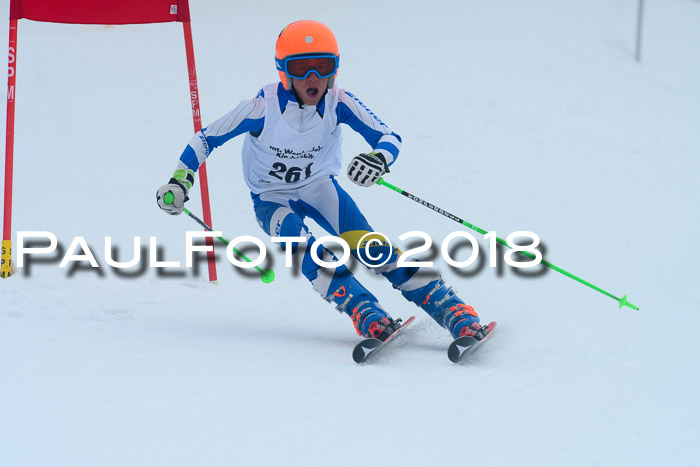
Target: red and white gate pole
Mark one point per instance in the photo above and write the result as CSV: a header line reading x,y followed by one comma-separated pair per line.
x,y
197,119
6,265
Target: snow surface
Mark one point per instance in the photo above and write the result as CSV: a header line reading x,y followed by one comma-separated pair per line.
x,y
545,123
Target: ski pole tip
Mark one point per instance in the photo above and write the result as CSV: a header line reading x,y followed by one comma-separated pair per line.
x,y
625,302
267,276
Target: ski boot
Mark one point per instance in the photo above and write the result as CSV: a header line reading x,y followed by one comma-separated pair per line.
x,y
447,309
475,330
369,319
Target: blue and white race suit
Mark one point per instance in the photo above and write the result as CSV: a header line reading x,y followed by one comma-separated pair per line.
x,y
291,156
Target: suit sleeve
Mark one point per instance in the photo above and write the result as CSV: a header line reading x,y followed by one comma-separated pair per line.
x,y
247,117
360,118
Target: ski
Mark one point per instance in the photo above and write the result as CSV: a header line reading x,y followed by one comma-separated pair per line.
x,y
463,346
370,346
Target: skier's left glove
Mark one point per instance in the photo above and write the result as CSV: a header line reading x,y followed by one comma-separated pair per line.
x,y
172,196
365,169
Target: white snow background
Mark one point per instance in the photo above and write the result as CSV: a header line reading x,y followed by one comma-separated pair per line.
x,y
514,116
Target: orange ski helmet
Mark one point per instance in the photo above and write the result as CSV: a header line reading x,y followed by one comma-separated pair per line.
x,y
305,39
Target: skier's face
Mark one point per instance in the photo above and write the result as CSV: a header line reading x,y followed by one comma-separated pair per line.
x,y
310,89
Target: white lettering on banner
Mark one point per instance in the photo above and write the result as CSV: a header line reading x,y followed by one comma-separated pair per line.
x,y
367,244
190,248
21,250
528,250
364,245
330,264
194,98
446,243
10,61
118,264
246,264
288,241
403,259
86,256
173,9
154,263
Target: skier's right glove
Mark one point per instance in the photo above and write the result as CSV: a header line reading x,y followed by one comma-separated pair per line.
x,y
171,197
366,169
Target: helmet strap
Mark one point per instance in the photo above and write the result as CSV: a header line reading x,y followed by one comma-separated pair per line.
x,y
295,94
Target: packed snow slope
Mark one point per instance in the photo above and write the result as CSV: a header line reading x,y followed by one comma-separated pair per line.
x,y
514,115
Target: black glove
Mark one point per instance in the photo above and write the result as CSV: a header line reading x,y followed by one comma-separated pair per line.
x,y
365,169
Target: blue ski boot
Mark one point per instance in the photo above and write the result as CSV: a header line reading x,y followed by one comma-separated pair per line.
x,y
353,299
446,308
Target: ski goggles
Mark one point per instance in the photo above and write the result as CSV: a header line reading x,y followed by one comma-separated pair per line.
x,y
301,66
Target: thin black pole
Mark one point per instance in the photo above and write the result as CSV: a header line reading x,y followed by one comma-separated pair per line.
x,y
640,22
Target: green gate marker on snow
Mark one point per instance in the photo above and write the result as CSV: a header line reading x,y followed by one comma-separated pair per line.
x,y
622,301
267,276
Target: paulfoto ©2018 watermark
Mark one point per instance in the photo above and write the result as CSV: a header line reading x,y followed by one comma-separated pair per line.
x,y
373,249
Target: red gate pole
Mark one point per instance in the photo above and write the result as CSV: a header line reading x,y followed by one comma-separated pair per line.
x,y
197,119
6,264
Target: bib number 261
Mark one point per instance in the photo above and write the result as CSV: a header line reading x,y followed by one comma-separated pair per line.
x,y
290,174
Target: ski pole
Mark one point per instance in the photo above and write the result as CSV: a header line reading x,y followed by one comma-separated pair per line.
x,y
622,301
267,275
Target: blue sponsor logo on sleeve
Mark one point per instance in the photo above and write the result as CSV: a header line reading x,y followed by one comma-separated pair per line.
x,y
359,102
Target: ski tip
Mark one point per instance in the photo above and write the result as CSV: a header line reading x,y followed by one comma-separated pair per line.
x,y
463,346
367,347
364,349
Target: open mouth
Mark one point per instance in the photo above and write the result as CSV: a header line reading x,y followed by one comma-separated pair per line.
x,y
312,92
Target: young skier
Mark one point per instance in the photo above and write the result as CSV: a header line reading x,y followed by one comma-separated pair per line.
x,y
291,156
